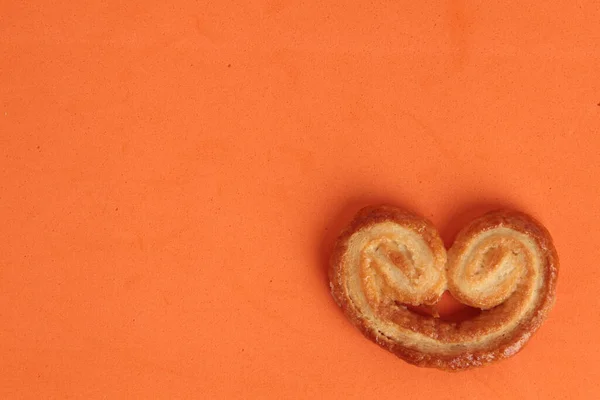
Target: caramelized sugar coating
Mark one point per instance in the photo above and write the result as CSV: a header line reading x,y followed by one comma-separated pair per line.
x,y
503,263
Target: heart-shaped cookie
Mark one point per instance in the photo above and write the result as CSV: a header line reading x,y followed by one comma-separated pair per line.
x,y
388,259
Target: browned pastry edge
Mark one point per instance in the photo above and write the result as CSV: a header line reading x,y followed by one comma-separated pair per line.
x,y
468,359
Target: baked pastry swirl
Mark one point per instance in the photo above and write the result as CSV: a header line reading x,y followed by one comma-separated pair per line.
x,y
389,259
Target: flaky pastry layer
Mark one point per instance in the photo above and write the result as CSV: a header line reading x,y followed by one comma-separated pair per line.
x,y
503,263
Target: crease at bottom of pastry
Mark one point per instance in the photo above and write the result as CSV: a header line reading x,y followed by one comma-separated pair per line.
x,y
389,260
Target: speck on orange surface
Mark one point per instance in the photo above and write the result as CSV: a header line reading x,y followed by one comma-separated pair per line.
x,y
173,175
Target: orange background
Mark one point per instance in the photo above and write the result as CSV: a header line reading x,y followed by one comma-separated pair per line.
x,y
173,175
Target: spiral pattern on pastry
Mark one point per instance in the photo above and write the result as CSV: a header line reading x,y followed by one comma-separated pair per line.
x,y
503,263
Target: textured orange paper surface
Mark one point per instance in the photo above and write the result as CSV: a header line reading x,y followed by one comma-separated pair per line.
x,y
173,175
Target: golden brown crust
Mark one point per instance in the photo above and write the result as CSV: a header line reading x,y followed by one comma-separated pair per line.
x,y
503,262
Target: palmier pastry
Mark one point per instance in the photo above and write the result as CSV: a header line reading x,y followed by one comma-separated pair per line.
x,y
388,260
